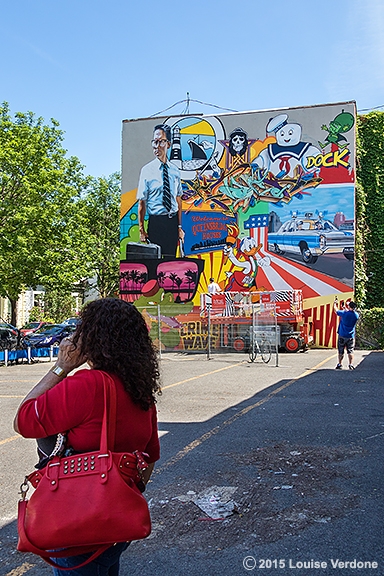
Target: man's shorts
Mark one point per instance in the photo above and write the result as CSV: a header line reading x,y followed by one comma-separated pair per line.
x,y
343,343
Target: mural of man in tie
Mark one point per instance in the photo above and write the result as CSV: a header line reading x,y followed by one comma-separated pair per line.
x,y
159,194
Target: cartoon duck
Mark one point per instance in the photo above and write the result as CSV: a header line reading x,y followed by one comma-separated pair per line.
x,y
247,249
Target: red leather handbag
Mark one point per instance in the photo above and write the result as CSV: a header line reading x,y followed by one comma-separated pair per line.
x,y
85,502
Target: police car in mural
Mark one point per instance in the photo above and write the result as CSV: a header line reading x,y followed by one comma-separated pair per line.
x,y
311,237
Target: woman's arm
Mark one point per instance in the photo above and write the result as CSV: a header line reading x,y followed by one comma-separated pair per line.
x,y
68,359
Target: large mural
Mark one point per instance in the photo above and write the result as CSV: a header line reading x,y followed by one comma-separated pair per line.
x,y
258,201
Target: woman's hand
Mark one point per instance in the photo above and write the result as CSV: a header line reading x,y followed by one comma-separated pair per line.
x,y
69,356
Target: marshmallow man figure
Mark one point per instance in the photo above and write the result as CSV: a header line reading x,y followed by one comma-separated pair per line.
x,y
281,158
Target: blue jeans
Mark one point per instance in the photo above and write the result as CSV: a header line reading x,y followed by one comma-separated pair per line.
x,y
107,564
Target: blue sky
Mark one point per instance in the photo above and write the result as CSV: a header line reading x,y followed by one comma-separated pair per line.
x,y
91,64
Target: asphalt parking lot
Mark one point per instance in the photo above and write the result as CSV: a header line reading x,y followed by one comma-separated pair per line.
x,y
293,454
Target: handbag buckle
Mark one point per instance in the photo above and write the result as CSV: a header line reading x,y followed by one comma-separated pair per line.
x,y
141,464
24,487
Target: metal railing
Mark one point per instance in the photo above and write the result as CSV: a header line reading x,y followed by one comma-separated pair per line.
x,y
28,354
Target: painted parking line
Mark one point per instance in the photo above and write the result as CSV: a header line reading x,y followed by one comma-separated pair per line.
x,y
164,387
20,570
195,443
234,366
10,439
215,430
202,375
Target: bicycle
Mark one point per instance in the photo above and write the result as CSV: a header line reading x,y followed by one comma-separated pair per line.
x,y
262,348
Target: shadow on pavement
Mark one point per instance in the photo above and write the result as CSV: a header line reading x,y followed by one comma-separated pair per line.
x,y
304,458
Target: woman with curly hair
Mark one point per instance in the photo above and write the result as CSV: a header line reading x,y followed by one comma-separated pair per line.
x,y
111,336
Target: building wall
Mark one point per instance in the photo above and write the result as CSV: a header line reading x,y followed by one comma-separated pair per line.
x,y
268,204
5,310
27,300
24,304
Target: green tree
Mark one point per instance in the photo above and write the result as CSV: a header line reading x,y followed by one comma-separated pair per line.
x,y
59,304
102,206
42,213
369,210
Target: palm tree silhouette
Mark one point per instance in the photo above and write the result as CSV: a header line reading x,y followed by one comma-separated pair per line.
x,y
124,279
173,277
135,275
178,282
161,276
191,279
143,278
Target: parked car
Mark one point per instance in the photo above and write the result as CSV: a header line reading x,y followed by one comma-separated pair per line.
x,y
9,336
13,329
72,321
47,336
311,237
31,327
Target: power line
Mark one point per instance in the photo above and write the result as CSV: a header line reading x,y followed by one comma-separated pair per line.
x,y
214,106
186,108
187,101
370,109
169,108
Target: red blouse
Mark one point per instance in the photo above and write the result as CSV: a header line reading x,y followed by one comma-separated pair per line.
x,y
76,404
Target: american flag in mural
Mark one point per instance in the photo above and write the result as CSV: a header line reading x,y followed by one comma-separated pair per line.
x,y
257,224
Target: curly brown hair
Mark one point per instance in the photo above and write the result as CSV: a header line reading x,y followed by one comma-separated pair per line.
x,y
113,336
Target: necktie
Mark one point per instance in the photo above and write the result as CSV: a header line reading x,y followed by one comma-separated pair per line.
x,y
167,199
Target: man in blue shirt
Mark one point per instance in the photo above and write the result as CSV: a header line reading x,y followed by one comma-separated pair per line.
x,y
159,193
346,331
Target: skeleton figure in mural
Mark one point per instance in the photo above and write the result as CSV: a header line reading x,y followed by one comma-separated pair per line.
x,y
288,154
243,280
238,142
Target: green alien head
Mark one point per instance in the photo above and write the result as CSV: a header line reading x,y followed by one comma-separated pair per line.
x,y
343,122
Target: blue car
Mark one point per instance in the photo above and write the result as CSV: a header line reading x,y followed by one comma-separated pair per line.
x,y
47,336
73,321
311,237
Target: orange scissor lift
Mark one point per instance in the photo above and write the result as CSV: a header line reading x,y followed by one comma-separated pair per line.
x,y
237,313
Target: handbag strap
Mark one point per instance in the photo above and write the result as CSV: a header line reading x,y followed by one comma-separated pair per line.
x,y
108,427
107,440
